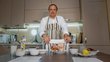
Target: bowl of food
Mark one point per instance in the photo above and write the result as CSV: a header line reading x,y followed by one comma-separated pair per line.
x,y
33,51
88,52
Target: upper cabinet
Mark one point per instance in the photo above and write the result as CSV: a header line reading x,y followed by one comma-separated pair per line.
x,y
95,24
17,16
11,12
108,5
70,9
36,9
18,12
5,12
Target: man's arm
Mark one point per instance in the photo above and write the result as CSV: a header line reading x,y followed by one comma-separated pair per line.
x,y
63,24
42,29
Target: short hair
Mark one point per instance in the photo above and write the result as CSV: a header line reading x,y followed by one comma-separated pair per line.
x,y
53,5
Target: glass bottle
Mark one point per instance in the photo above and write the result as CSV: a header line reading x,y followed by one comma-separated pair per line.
x,y
83,45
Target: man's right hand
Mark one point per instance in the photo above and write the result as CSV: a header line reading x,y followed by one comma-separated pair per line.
x,y
46,38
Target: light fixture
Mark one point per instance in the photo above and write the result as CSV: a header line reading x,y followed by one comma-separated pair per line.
x,y
32,25
74,24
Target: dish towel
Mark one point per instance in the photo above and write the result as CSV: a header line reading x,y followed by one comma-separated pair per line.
x,y
85,59
27,59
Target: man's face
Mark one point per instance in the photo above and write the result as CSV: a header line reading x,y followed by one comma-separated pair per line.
x,y
52,11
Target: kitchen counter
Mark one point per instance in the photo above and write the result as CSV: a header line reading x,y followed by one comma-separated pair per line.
x,y
68,57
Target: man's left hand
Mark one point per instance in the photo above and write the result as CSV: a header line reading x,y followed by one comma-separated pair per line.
x,y
67,38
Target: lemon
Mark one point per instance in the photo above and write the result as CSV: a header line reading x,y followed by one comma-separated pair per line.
x,y
85,52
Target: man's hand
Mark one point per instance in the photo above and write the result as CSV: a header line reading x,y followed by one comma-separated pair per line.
x,y
67,38
46,38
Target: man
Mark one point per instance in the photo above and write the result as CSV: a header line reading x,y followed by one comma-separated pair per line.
x,y
53,26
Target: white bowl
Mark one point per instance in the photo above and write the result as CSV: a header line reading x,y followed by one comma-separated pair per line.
x,y
20,52
42,51
33,51
74,51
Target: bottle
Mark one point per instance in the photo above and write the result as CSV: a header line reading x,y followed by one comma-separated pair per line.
x,y
47,49
83,46
23,42
85,40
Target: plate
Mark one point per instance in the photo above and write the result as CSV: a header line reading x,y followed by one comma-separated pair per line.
x,y
92,53
80,54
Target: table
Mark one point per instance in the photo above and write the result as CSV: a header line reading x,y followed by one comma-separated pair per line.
x,y
68,57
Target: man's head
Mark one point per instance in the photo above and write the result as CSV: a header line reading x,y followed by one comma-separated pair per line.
x,y
52,10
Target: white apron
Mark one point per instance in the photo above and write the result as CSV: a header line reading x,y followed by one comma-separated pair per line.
x,y
54,30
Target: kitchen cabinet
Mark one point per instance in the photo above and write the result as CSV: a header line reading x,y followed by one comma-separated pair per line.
x,y
36,9
95,21
68,9
95,24
108,11
18,12
11,12
17,17
5,12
